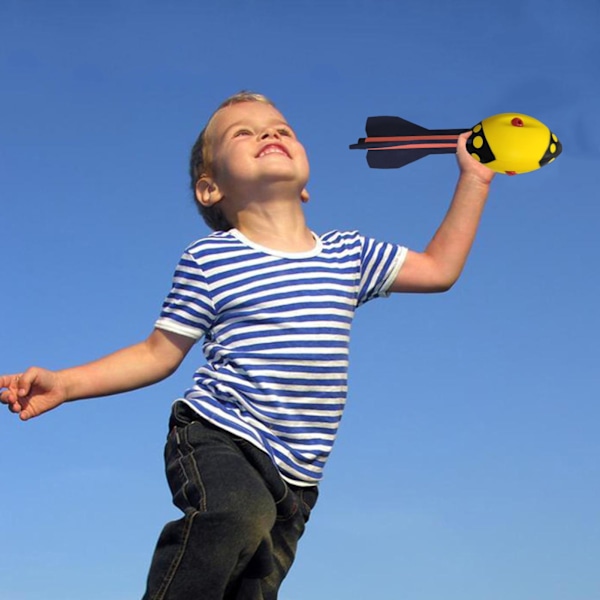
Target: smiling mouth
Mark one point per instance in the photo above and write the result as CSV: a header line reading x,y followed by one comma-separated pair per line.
x,y
273,149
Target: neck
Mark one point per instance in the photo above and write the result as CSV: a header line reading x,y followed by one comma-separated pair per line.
x,y
279,227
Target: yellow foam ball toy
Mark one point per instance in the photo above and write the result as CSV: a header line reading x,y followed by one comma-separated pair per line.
x,y
513,143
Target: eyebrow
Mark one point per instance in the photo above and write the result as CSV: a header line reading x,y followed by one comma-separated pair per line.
x,y
245,122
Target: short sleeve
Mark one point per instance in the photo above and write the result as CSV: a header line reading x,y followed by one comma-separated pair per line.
x,y
188,309
380,263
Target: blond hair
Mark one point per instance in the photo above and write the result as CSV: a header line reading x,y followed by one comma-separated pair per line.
x,y
200,160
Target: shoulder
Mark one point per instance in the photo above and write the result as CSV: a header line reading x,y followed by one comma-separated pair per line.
x,y
215,243
341,238
216,239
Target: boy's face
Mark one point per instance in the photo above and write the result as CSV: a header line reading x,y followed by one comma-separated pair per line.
x,y
251,143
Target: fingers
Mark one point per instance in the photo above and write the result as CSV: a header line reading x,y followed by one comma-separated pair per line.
x,y
461,143
25,390
31,393
468,164
6,380
10,395
18,388
25,381
10,383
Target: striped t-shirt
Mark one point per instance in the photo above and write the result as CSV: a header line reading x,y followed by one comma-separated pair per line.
x,y
276,331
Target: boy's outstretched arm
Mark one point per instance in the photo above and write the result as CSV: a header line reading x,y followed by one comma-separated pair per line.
x,y
439,266
39,390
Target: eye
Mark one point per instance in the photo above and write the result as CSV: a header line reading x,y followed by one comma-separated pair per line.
x,y
242,132
284,131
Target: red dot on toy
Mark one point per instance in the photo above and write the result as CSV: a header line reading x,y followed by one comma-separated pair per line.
x,y
517,122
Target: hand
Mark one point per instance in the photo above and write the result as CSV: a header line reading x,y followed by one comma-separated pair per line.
x,y
469,165
32,393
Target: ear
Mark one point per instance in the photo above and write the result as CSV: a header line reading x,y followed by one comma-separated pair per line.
x,y
207,191
304,195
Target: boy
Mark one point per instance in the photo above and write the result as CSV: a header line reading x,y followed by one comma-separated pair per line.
x,y
274,303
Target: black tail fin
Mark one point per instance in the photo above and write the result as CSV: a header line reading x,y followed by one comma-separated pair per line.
x,y
389,126
393,159
393,142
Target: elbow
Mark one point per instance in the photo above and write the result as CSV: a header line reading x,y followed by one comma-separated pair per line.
x,y
165,371
444,284
168,366
442,288
430,285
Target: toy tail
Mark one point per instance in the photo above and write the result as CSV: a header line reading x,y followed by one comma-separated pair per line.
x,y
393,142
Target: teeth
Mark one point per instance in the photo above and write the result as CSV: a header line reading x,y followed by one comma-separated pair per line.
x,y
271,150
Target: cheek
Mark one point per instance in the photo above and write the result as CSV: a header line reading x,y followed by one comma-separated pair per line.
x,y
306,166
219,167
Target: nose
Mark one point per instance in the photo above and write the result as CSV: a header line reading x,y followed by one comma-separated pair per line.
x,y
269,132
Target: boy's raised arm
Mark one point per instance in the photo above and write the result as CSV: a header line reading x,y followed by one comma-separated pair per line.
x,y
39,390
440,265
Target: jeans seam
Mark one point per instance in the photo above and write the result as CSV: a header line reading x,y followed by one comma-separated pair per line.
x,y
285,494
187,459
304,502
162,590
308,508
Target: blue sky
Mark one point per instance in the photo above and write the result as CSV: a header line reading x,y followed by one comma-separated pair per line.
x,y
467,463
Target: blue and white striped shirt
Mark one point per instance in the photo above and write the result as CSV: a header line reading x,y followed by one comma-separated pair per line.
x,y
276,334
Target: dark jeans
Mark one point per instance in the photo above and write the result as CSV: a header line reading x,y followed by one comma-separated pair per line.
x,y
241,524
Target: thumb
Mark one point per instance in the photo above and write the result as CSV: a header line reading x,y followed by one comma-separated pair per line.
x,y
25,381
